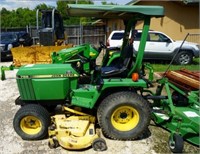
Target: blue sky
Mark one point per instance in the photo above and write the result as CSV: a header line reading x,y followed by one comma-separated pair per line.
x,y
13,4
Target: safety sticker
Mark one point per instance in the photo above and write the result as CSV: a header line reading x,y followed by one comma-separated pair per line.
x,y
162,116
191,114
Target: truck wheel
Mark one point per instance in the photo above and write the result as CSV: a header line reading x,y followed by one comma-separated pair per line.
x,y
123,116
183,58
176,143
31,122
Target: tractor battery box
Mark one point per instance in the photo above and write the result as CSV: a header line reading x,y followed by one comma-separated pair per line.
x,y
46,81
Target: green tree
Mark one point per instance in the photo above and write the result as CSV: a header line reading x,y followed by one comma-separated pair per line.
x,y
62,8
4,11
21,17
104,2
43,6
4,14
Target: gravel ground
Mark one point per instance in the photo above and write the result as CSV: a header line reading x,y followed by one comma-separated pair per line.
x,y
153,142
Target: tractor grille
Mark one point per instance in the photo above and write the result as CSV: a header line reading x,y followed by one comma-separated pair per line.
x,y
26,89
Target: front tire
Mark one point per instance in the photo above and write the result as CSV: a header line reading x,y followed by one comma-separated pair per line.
x,y
123,116
31,122
183,58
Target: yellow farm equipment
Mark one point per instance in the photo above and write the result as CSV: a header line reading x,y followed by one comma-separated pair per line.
x,y
34,54
51,34
75,131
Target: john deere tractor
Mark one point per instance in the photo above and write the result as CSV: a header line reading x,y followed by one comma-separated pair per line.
x,y
107,95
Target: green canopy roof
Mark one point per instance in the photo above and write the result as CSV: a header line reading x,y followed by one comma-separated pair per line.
x,y
113,11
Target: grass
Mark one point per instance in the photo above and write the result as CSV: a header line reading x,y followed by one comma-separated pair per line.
x,y
162,66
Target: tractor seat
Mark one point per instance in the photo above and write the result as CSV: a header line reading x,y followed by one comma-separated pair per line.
x,y
121,68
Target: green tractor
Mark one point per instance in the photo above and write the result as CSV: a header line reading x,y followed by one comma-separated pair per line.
x,y
110,94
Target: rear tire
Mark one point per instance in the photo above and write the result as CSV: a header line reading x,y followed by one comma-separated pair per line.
x,y
183,58
31,122
123,116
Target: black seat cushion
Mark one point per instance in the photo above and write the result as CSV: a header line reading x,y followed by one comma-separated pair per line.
x,y
112,71
121,68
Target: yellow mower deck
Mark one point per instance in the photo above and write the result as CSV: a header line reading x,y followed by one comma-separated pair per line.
x,y
74,132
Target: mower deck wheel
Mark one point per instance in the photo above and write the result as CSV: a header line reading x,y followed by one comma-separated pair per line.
x,y
176,143
53,144
99,144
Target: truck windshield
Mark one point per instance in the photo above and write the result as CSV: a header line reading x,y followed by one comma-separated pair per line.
x,y
5,37
117,36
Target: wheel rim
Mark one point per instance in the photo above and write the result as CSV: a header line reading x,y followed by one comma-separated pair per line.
x,y
184,59
125,118
171,144
31,125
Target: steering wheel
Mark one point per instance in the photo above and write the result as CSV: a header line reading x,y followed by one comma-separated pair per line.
x,y
102,45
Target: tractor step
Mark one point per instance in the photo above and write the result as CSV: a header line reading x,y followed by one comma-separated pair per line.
x,y
84,96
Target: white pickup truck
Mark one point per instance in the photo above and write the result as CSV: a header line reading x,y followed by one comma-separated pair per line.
x,y
159,46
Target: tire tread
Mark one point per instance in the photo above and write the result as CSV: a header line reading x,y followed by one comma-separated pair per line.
x,y
32,109
115,98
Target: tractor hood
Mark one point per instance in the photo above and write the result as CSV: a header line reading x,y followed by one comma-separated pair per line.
x,y
46,81
46,71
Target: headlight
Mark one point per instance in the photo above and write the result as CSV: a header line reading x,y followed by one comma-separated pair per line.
x,y
10,46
